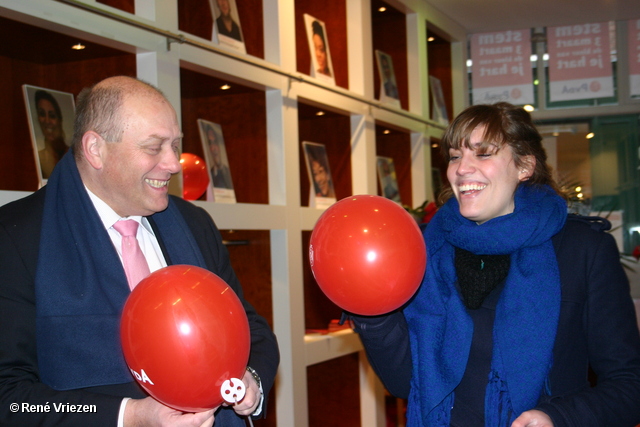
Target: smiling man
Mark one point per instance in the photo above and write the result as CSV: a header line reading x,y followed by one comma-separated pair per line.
x,y
64,282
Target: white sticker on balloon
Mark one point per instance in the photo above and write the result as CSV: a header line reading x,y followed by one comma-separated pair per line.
x,y
232,390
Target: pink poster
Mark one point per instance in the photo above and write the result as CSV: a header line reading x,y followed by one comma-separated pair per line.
x,y
501,67
579,62
633,29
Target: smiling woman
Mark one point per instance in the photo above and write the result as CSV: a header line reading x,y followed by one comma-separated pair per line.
x,y
510,278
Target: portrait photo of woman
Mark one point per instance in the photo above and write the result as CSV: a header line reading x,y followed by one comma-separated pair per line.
x,y
323,193
321,66
51,114
227,25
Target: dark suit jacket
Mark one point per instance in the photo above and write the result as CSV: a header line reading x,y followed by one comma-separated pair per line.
x,y
20,224
597,328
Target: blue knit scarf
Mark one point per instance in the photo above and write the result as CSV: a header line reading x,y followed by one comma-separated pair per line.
x,y
526,315
81,286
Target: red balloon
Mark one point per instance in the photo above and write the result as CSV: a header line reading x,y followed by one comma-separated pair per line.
x,y
184,332
367,254
195,177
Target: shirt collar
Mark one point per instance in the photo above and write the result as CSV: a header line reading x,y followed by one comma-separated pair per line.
x,y
109,217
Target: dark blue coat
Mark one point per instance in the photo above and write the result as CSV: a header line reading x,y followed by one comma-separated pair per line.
x,y
597,329
19,380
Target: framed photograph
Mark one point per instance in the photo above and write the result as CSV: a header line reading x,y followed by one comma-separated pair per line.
x,y
226,24
321,65
388,180
51,114
388,87
221,185
321,193
439,113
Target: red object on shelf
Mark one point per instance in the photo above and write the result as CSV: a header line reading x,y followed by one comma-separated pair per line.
x,y
195,177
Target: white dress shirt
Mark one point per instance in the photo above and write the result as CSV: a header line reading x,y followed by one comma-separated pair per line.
x,y
148,244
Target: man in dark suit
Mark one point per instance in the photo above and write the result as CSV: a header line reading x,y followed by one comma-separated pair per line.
x,y
64,286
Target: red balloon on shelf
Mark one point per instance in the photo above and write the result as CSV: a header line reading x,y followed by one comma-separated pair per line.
x,y
185,333
367,254
195,177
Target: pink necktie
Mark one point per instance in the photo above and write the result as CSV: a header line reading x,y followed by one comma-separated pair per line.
x,y
135,264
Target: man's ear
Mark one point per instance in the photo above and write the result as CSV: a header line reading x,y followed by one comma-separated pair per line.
x,y
93,148
528,167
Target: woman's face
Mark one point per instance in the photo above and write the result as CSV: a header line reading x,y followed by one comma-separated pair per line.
x,y
50,122
321,52
225,9
320,177
484,184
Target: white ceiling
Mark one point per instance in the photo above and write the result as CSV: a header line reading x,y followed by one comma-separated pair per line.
x,y
480,16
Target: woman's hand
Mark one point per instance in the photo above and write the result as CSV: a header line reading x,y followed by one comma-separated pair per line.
x,y
533,418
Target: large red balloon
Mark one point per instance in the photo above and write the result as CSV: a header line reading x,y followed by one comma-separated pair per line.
x,y
195,177
367,254
184,332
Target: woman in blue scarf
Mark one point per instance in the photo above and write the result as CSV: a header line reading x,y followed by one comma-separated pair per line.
x,y
519,302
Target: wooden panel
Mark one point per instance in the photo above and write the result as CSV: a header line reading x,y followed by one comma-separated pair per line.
x,y
242,114
251,260
334,15
194,17
439,167
319,310
397,145
439,60
250,254
125,5
333,393
334,131
50,63
390,36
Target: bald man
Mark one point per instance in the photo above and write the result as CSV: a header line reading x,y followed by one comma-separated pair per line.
x,y
64,283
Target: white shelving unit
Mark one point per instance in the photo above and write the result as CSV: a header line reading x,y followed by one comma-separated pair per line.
x,y
151,35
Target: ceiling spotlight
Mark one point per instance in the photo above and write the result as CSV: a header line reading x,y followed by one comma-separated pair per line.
x,y
430,39
320,113
386,131
225,87
382,9
590,135
78,46
435,145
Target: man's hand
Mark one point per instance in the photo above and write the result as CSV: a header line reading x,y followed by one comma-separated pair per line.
x,y
533,418
252,396
150,412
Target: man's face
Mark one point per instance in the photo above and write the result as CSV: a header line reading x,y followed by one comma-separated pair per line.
x,y
215,149
136,170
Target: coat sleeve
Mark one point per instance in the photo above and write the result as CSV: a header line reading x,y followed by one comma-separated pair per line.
x,y
612,343
386,342
37,404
